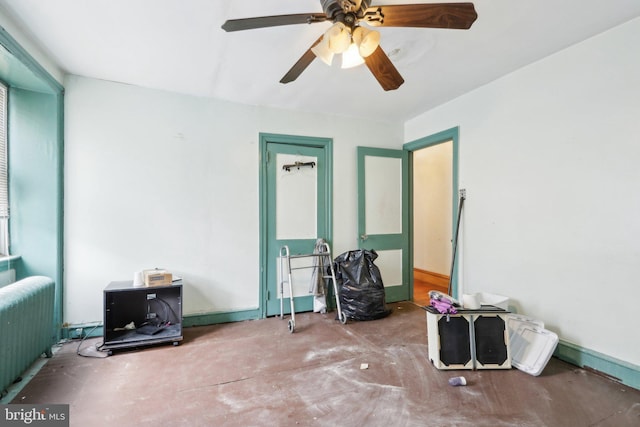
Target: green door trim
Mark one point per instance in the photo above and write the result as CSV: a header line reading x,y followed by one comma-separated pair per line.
x,y
452,134
305,141
393,293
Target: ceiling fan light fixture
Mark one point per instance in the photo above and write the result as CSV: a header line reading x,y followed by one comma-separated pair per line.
x,y
366,40
321,50
338,38
350,5
351,57
346,16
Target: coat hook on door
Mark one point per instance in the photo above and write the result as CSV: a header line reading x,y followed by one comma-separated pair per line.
x,y
298,165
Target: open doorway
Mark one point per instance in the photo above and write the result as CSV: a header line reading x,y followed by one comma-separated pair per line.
x,y
434,186
432,214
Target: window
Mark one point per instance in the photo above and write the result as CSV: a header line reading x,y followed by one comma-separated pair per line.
x,y
4,180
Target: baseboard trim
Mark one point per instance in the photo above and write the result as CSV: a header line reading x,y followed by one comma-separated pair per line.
x,y
426,273
433,280
610,367
78,331
220,317
83,330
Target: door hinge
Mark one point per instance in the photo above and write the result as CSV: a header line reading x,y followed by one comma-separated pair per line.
x,y
268,295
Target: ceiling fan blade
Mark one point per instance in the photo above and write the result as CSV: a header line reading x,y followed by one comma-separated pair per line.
x,y
272,21
383,70
302,64
433,15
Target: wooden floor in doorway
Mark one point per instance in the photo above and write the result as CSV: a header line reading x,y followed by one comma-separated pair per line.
x,y
425,281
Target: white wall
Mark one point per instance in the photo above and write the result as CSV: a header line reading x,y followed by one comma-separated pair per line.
x,y
155,179
432,205
549,156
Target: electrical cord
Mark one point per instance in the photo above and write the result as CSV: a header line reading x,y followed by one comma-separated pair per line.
x,y
98,346
165,306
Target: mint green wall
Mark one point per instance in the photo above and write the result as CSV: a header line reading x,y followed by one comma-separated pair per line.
x,y
33,176
35,145
35,188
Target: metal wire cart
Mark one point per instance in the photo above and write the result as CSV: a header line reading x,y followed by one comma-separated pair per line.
x,y
321,257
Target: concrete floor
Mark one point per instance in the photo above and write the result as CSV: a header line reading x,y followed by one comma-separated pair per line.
x,y
256,373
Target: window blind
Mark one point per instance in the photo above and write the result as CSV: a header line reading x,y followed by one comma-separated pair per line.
x,y
4,181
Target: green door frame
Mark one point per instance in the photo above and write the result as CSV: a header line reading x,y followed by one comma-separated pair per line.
x,y
306,141
452,134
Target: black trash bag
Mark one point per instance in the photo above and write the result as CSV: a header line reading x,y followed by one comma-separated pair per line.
x,y
360,285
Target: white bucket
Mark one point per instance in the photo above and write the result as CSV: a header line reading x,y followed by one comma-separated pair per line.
x,y
470,301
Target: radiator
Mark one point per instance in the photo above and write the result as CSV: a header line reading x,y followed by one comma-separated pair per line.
x,y
26,325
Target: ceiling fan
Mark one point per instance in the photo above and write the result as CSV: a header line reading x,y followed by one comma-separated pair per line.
x,y
346,35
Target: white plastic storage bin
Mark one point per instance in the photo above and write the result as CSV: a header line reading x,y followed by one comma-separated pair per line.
x,y
533,346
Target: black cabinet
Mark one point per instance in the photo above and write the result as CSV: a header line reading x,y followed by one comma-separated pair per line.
x,y
140,316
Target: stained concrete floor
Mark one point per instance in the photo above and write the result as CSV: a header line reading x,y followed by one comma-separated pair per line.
x,y
256,373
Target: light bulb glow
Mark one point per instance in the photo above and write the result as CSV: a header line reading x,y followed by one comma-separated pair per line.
x,y
351,57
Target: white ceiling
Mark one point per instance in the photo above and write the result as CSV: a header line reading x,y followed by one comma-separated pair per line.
x,y
178,46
